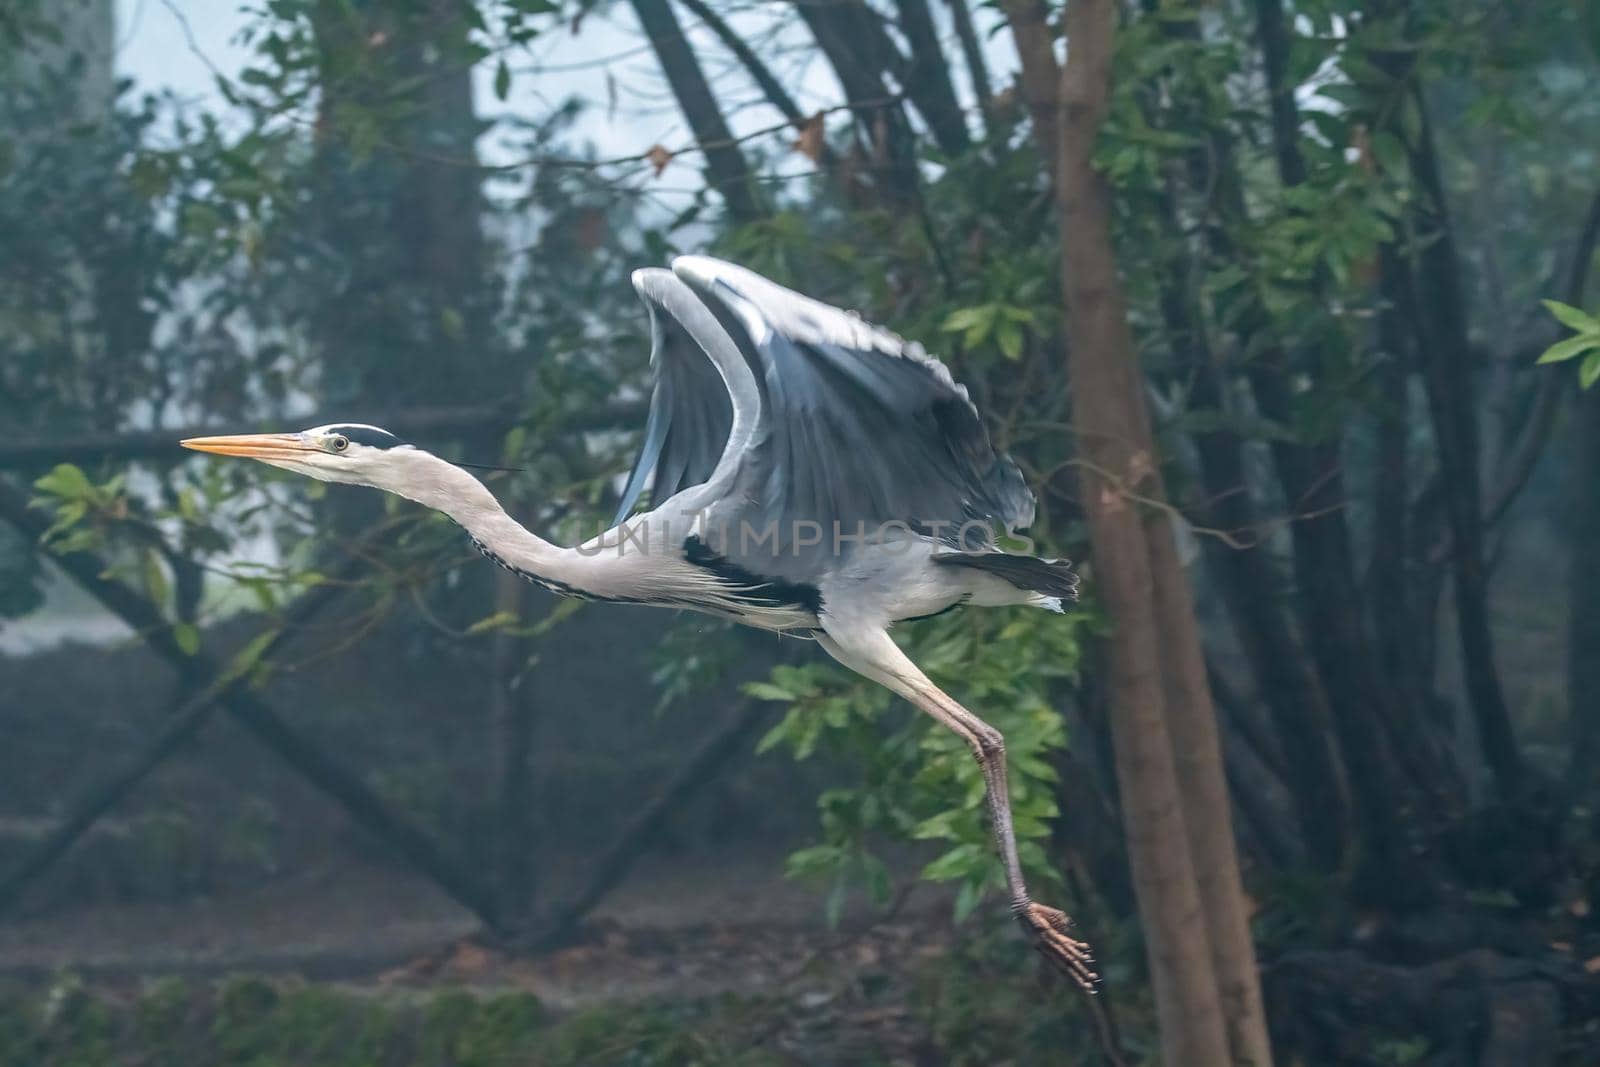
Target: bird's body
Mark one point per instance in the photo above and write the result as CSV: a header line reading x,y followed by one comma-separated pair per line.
x,y
810,474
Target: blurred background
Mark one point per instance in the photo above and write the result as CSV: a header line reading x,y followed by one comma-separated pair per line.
x,y
291,776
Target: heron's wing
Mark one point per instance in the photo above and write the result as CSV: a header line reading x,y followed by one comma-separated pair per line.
x,y
858,428
703,393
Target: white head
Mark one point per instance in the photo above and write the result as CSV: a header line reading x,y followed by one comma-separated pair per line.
x,y
357,454
342,452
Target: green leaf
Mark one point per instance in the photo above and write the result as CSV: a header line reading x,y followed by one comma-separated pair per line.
x,y
957,863
155,578
1009,338
65,481
967,900
1570,348
502,80
967,319
1571,317
1590,371
768,691
187,636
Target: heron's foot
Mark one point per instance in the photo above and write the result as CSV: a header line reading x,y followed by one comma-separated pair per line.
x,y
1051,932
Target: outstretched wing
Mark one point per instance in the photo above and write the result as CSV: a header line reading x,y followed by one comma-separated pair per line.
x,y
703,393
858,428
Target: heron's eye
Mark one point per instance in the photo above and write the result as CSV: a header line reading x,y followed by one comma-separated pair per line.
x,y
338,443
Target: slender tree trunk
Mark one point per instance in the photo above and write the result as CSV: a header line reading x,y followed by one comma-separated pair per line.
x,y
1334,619
1207,816
972,55
1253,596
1136,571
406,317
927,78
879,116
511,726
1035,41
1583,625
1389,574
1452,401
753,65
726,168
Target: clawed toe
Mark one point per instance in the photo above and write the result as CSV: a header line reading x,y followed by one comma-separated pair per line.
x,y
1050,930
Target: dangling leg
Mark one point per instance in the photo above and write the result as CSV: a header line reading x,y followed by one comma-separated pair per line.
x,y
872,654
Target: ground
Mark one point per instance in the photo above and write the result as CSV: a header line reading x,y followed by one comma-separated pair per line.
x,y
690,962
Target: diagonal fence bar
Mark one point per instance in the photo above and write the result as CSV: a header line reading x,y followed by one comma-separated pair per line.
x,y
182,727
365,806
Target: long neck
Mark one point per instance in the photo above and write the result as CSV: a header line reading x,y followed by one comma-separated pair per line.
x,y
434,483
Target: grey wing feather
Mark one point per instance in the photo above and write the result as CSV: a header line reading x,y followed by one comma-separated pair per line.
x,y
692,406
858,429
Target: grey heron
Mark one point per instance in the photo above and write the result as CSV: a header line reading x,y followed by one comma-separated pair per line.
x,y
809,473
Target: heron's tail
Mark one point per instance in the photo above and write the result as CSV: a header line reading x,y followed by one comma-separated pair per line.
x,y
1048,577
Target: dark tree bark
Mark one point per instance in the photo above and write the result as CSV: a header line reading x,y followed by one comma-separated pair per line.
x,y
1518,460
726,168
1334,619
1583,624
753,65
1445,356
1253,595
511,717
406,318
1388,574
972,55
926,77
1030,29
880,119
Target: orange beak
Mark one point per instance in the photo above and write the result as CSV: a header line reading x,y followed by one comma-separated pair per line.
x,y
253,445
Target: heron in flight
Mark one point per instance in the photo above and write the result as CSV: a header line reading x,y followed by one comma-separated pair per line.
x,y
809,474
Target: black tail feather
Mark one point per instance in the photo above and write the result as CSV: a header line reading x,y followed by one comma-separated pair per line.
x,y
1052,577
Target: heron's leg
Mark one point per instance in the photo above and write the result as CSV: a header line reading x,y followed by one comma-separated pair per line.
x,y
873,654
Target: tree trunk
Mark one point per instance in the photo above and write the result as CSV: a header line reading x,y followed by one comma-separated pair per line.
x,y
926,76
1583,625
1452,401
1192,726
1136,571
1253,596
407,317
726,169
972,55
879,116
1039,82
511,726
1334,619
